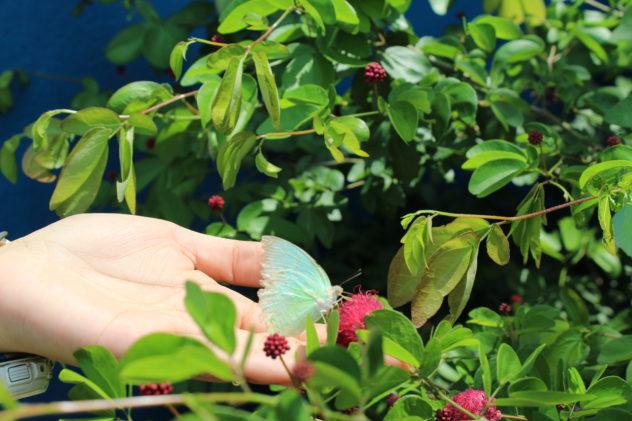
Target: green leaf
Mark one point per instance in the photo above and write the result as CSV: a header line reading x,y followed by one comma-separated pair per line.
x,y
346,15
608,391
605,222
526,233
619,114
418,235
126,189
266,167
405,63
374,353
622,226
290,406
400,5
40,128
8,166
312,342
486,372
397,328
507,364
89,118
584,36
151,360
404,118
100,366
234,18
221,59
408,407
460,295
504,28
215,314
527,384
336,367
333,323
540,398
518,50
227,103
602,169
574,306
178,54
268,86
127,44
497,245
483,316
7,401
81,176
483,35
616,350
205,97
143,124
230,155
85,388
494,175
136,96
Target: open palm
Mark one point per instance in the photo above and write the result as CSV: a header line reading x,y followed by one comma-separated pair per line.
x,y
106,279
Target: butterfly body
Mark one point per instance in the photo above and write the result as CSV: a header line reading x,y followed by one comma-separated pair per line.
x,y
294,287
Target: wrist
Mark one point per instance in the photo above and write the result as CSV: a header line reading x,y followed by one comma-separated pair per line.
x,y
6,321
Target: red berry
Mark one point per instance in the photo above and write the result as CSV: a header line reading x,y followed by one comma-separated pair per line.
x,y
517,299
352,314
120,70
156,389
217,38
471,400
275,346
535,137
151,143
216,202
613,140
374,73
392,398
504,308
302,371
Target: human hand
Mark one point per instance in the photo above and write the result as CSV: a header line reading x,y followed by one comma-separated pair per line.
x,y
107,279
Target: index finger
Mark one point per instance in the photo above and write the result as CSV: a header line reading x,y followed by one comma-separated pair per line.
x,y
233,261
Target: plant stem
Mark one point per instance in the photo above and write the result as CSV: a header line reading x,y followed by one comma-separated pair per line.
x,y
273,27
515,417
510,218
76,407
169,101
204,41
365,114
293,133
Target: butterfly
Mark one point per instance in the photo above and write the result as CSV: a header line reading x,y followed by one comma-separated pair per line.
x,y
294,287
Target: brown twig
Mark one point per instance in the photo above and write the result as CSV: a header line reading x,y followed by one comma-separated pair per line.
x,y
89,406
169,101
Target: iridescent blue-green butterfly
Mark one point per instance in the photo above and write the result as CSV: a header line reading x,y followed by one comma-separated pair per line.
x,y
294,287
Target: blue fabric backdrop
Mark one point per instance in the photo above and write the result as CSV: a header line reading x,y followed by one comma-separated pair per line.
x,y
42,36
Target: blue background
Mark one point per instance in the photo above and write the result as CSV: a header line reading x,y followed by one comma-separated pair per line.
x,y
43,37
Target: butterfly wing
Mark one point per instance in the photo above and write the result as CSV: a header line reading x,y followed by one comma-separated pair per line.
x,y
294,287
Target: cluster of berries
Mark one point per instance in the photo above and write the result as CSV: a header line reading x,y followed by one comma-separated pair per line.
x,y
374,73
156,389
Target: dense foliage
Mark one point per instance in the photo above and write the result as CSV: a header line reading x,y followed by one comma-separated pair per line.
x,y
326,120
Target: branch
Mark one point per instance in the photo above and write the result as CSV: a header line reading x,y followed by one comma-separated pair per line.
x,y
510,218
273,27
76,407
169,101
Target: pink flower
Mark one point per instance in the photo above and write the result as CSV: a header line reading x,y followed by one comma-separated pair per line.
x,y
352,314
471,400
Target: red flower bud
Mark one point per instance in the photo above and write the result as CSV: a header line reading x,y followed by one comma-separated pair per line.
x,y
374,73
275,346
216,202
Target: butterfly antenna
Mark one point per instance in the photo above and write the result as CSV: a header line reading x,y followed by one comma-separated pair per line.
x,y
352,277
